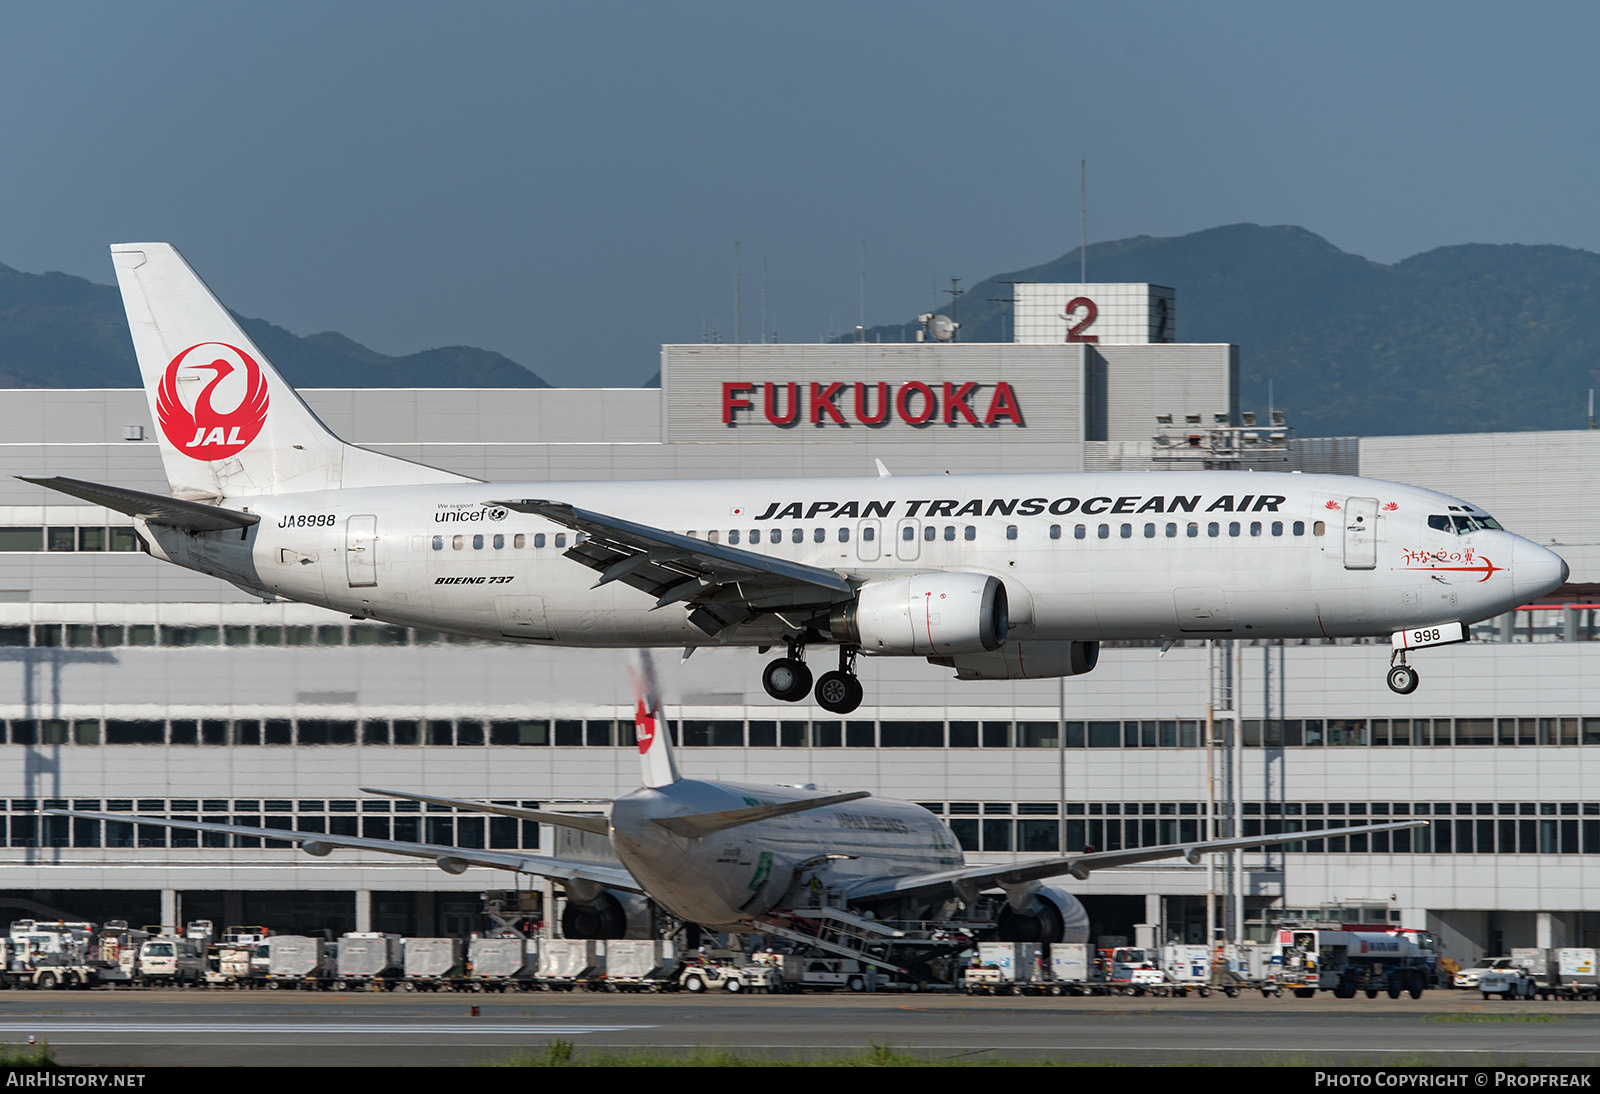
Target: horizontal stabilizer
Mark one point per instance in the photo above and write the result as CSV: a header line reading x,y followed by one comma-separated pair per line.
x,y
195,516
600,826
704,824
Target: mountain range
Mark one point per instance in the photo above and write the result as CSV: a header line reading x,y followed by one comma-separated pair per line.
x,y
62,331
1466,338
1470,338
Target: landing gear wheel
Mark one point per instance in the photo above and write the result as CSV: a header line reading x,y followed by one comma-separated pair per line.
x,y
1403,679
787,679
839,692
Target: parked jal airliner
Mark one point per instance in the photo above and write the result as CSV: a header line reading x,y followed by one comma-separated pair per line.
x,y
996,576
740,857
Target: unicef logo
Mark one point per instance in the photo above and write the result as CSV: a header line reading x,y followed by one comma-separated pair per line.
x,y
497,512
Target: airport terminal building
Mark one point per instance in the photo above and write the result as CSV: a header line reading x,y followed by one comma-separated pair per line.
x,y
131,686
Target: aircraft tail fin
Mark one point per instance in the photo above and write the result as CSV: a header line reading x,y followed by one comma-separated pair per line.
x,y
227,423
656,761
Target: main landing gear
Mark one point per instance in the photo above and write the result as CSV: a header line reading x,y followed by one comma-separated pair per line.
x,y
1403,679
837,692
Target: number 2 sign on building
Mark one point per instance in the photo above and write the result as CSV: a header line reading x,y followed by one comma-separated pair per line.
x,y
1077,327
1109,314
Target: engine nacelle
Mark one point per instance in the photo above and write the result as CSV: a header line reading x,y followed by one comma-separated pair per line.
x,y
610,915
926,614
1025,661
1047,915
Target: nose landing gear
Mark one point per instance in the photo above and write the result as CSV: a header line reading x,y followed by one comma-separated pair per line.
x,y
838,692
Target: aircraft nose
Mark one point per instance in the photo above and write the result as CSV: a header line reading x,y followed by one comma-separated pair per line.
x,y
1536,571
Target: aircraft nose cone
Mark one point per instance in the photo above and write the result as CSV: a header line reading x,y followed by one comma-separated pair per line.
x,y
1536,572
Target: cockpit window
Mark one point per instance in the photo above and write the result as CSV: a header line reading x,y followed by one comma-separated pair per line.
x,y
1463,524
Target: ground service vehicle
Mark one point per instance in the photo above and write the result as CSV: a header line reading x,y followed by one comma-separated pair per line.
x,y
1347,961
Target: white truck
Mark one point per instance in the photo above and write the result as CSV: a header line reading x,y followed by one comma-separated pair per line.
x,y
49,955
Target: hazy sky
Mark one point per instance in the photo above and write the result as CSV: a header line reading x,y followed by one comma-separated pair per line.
x,y
564,182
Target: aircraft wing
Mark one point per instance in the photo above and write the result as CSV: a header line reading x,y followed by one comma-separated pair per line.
x,y
977,878
724,585
451,859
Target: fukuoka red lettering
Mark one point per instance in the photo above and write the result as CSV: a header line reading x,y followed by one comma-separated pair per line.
x,y
955,400
822,403
883,404
902,402
1003,404
772,410
732,400
914,402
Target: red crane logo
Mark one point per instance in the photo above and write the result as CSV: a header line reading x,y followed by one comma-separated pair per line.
x,y
201,431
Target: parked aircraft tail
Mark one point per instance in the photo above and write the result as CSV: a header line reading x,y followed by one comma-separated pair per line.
x,y
227,423
657,764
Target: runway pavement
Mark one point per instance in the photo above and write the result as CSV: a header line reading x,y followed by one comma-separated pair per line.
x,y
156,1029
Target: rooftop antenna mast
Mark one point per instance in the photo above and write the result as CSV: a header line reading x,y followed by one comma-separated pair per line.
x,y
763,298
863,327
1083,215
956,292
736,316
1003,301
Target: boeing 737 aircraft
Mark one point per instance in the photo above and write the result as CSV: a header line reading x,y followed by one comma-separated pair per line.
x,y
751,858
997,576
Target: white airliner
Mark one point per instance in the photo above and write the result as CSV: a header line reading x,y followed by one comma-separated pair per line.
x,y
770,859
997,576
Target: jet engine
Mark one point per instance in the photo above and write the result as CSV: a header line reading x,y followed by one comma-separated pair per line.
x,y
609,915
925,614
1046,914
1024,661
